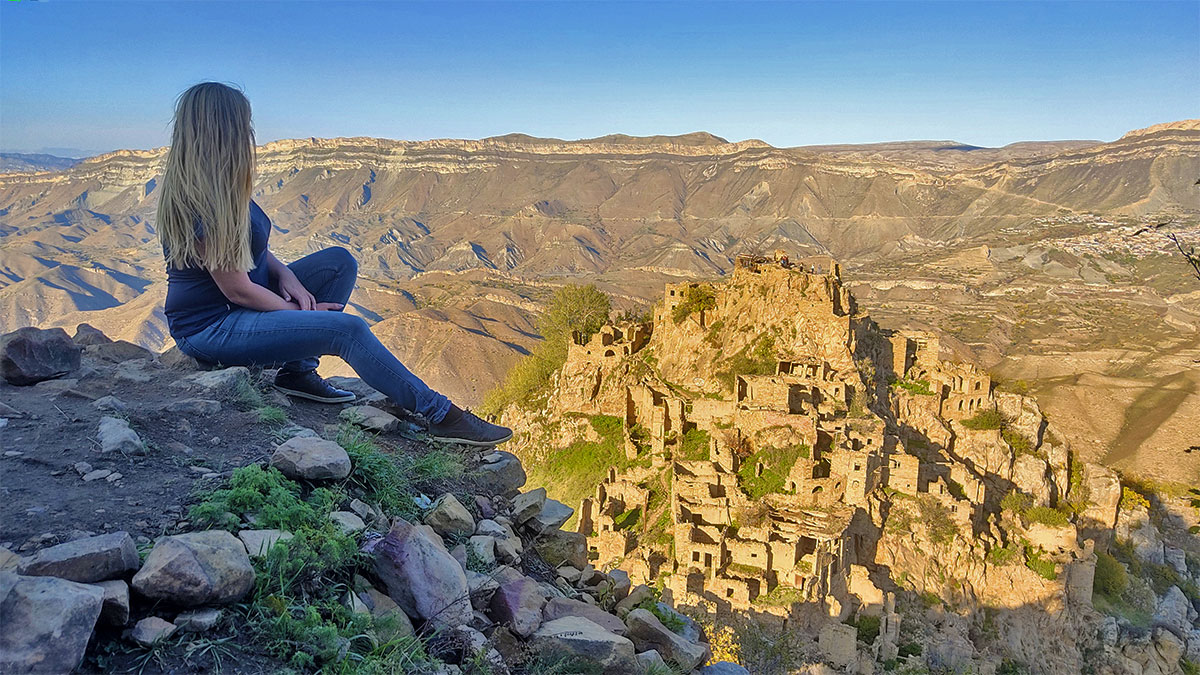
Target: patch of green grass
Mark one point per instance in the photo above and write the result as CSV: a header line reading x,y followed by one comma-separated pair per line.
x,y
777,463
271,414
1111,577
984,419
247,396
918,387
868,627
1035,561
573,472
1003,555
1044,515
939,525
266,494
756,358
694,444
392,478
1132,499
1020,444
780,596
628,519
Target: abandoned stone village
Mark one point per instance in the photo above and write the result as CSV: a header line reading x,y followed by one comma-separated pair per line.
x,y
805,447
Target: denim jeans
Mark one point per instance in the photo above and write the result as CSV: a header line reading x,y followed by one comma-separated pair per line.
x,y
294,339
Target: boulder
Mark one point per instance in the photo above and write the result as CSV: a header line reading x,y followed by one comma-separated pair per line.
x,y
582,639
620,583
483,549
390,621
311,459
86,334
150,630
115,608
450,518
47,623
500,474
838,643
558,547
551,517
421,576
196,568
528,505
647,632
557,608
86,560
639,594
258,542
651,659
198,620
370,418
30,355
347,522
118,352
481,587
116,436
518,603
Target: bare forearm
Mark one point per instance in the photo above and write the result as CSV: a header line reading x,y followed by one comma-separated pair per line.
x,y
275,267
253,296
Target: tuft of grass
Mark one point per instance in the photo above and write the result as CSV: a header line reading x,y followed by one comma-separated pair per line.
x,y
695,299
392,478
985,419
1044,515
918,387
756,358
247,396
693,445
1003,555
1035,562
271,414
267,494
777,464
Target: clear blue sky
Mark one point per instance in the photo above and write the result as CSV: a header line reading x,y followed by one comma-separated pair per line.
x,y
99,75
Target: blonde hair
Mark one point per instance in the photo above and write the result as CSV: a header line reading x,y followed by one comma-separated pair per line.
x,y
208,180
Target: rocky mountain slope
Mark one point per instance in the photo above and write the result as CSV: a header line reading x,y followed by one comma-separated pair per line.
x,y
1020,254
209,525
763,449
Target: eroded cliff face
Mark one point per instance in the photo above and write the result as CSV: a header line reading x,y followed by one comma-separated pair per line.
x,y
763,449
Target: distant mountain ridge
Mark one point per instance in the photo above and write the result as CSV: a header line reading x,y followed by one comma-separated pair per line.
x,y
20,161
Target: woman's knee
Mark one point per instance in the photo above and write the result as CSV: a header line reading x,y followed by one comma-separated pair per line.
x,y
342,259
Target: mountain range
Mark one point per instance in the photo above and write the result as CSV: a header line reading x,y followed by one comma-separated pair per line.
x,y
1025,257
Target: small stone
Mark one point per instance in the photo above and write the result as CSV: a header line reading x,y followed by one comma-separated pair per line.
x,y
114,477
116,436
647,632
13,453
96,475
450,518
150,630
483,549
83,468
110,404
115,608
582,639
198,620
211,474
528,505
501,474
570,574
347,522
311,459
370,417
258,542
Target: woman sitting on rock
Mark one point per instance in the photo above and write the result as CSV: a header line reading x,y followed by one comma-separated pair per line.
x,y
231,301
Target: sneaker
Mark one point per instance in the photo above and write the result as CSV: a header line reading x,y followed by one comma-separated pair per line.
x,y
311,386
463,426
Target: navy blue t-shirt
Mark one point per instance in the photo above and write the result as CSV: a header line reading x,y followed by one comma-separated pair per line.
x,y
194,301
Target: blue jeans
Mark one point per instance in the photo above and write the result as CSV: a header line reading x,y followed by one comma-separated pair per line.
x,y
294,339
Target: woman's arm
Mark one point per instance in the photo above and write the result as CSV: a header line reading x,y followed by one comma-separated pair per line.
x,y
289,286
240,290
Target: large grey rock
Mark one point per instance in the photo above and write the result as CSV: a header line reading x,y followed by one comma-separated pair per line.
x,y
500,474
583,639
559,547
371,418
115,609
118,352
647,632
152,629
46,623
311,459
421,576
86,334
557,608
551,517
518,603
86,560
116,436
30,355
450,518
620,583
527,505
196,568
1175,613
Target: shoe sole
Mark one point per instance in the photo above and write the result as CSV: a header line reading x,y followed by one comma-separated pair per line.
x,y
465,441
314,397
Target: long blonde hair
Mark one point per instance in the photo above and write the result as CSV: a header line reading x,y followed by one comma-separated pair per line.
x,y
208,179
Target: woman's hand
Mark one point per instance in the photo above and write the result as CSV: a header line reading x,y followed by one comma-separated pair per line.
x,y
293,291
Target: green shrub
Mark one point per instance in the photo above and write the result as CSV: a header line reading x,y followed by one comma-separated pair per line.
x,y
266,494
918,387
1132,499
777,464
695,299
756,358
1044,515
985,419
868,628
1020,444
1003,555
1111,578
574,312
694,444
1035,561
939,524
909,649
1016,502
